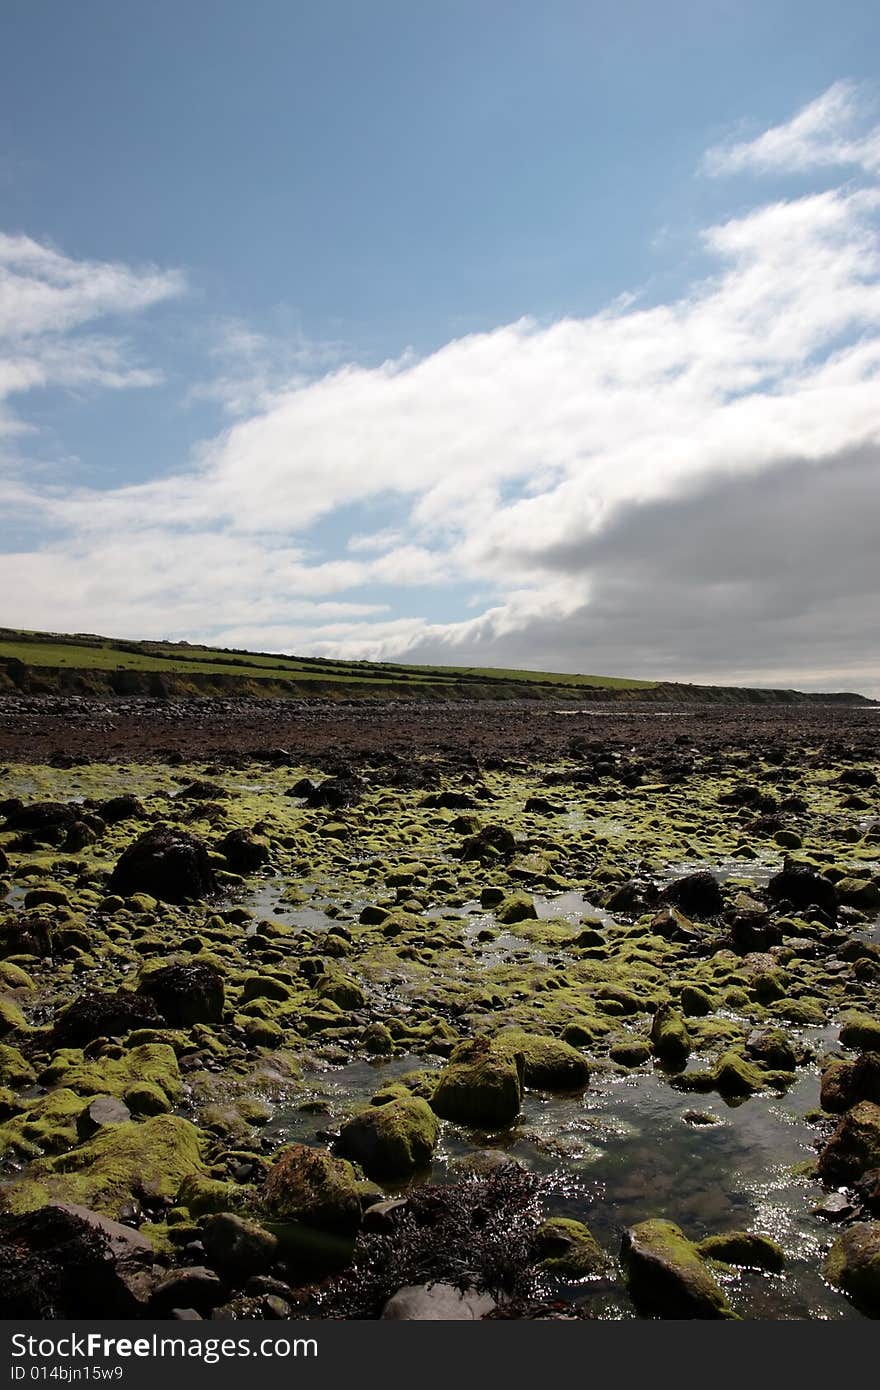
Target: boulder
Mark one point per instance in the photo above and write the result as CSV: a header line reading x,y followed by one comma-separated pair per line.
x,y
243,851
803,888
480,1086
65,1261
854,1147
167,863
853,1264
393,1139
666,1276
437,1303
310,1186
549,1064
697,895
185,994
566,1248
101,1014
238,1248
669,1036
745,1248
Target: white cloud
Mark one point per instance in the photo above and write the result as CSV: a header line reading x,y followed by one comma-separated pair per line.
x,y
46,298
825,134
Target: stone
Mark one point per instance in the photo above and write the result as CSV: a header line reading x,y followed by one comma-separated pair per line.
x,y
167,863
666,1276
238,1248
854,1147
103,1110
437,1303
185,993
310,1186
392,1140
746,1248
567,1248
698,894
853,1264
479,1086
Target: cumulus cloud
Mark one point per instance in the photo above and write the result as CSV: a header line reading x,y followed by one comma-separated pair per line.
x,y
650,490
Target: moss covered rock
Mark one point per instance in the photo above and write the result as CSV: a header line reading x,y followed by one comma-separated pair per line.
x,y
669,1036
854,1147
666,1275
549,1063
311,1187
392,1139
123,1161
853,1264
746,1248
567,1248
480,1086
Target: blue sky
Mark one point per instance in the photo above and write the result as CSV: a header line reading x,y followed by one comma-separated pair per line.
x,y
453,331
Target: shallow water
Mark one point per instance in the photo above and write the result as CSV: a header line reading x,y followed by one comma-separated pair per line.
x,y
622,1153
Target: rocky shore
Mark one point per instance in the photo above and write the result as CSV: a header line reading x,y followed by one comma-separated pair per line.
x,y
439,1012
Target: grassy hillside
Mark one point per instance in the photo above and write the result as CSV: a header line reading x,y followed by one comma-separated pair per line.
x,y
83,663
43,654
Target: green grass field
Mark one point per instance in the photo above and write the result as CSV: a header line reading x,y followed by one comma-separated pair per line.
x,y
93,653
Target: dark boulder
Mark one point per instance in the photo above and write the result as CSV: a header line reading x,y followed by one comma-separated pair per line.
x,y
243,851
68,1262
803,888
185,993
167,863
102,1015
119,808
697,895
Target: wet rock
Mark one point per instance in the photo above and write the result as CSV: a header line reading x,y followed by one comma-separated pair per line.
x,y
803,888
836,1206
669,1036
853,1264
437,1303
489,845
697,894
46,822
549,1064
120,808
243,851
744,1248
868,1190
103,1110
391,1140
665,1275
312,1187
479,1086
771,1048
64,1261
862,893
854,1147
846,1083
860,1030
516,907
197,1287
103,1015
567,1248
238,1248
167,863
185,994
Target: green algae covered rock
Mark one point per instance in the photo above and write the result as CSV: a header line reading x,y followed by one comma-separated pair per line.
x,y
666,1276
853,1264
312,1188
392,1139
566,1248
860,1031
745,1248
121,1162
854,1147
516,907
669,1036
549,1063
480,1086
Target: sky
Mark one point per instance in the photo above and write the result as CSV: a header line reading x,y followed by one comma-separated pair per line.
x,y
477,332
